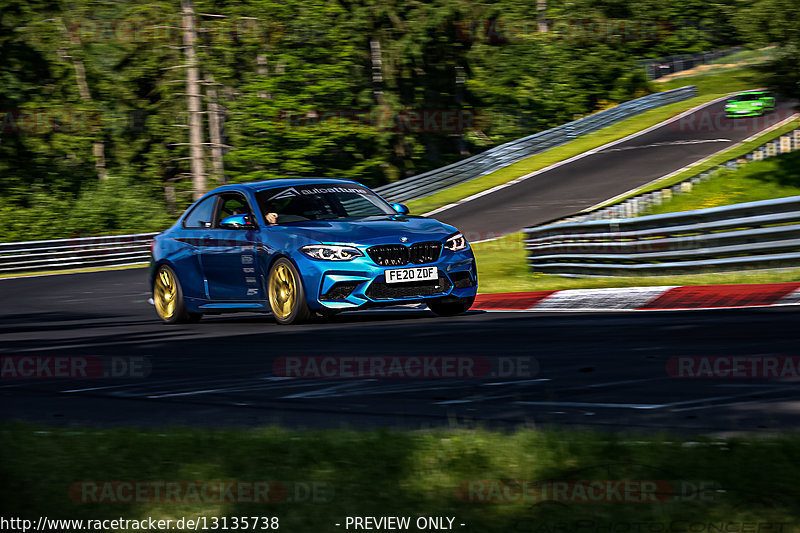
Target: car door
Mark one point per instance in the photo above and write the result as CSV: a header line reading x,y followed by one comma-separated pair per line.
x,y
186,253
229,255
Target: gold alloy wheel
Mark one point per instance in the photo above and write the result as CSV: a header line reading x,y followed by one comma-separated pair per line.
x,y
282,291
165,293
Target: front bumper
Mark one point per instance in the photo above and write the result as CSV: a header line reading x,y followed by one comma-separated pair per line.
x,y
343,285
748,113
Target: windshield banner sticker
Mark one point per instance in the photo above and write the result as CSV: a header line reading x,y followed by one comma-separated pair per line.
x,y
291,191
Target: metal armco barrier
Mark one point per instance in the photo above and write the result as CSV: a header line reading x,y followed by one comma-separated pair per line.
x,y
764,234
511,152
66,254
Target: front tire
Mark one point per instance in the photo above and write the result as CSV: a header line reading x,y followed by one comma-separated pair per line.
x,y
450,306
168,298
287,299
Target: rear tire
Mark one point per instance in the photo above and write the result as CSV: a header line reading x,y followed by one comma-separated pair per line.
x,y
168,298
450,306
285,293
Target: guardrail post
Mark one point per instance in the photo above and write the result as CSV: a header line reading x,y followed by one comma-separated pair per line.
x,y
634,206
771,149
786,144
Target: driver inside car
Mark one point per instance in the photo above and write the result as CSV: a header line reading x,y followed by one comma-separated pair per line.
x,y
295,209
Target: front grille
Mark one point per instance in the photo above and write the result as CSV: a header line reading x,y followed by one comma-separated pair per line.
x,y
380,290
462,280
340,290
425,252
389,255
399,255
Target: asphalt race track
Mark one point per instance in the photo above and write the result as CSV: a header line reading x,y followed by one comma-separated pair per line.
x,y
590,370
574,186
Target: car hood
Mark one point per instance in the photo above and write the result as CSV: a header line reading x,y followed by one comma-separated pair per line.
x,y
369,230
745,103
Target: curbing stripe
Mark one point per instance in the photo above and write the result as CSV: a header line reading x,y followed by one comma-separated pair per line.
x,y
662,298
510,301
630,298
793,298
712,296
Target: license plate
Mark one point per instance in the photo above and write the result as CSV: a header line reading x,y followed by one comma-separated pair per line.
x,y
402,275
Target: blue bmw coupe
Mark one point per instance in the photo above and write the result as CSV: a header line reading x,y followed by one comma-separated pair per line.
x,y
299,247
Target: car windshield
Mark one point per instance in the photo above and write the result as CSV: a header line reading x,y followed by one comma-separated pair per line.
x,y
748,97
320,202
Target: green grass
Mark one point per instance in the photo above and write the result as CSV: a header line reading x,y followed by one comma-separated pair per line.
x,y
721,80
710,85
502,268
776,177
759,55
403,473
72,271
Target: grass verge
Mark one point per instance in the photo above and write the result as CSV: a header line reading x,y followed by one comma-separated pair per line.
x,y
74,271
776,177
755,56
710,84
721,80
502,268
394,473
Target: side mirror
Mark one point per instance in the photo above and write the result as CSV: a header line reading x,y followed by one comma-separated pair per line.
x,y
400,208
236,222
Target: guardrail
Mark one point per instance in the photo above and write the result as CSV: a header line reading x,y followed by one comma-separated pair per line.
x,y
511,152
764,234
64,254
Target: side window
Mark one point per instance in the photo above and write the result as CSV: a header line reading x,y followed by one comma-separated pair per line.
x,y
231,204
201,215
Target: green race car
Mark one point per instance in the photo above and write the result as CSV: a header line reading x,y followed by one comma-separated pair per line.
x,y
749,104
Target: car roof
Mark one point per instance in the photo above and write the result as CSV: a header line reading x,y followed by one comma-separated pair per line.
x,y
749,93
255,186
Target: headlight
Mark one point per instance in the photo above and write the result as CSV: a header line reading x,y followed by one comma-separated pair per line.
x,y
331,252
456,243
